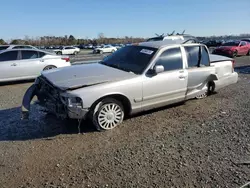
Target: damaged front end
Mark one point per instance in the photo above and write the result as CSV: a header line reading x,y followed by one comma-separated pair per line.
x,y
54,100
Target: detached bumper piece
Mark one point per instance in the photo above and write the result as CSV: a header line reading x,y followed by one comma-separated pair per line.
x,y
28,96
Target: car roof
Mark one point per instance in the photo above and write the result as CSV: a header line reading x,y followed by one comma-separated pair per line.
x,y
7,50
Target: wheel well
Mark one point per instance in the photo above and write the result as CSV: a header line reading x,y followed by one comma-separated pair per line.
x,y
49,66
124,100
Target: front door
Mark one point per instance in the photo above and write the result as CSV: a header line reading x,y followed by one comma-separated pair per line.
x,y
243,48
169,86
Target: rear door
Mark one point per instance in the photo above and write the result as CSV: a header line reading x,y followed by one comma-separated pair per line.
x,y
8,65
169,86
31,63
199,69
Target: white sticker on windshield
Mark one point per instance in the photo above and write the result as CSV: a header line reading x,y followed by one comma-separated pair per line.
x,y
145,51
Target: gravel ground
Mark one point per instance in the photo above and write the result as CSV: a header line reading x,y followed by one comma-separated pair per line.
x,y
202,143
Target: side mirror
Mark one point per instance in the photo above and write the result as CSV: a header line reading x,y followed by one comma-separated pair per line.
x,y
158,69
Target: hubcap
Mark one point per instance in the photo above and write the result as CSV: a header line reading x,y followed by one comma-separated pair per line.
x,y
110,116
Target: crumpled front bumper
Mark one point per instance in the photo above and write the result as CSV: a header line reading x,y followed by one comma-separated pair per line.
x,y
55,107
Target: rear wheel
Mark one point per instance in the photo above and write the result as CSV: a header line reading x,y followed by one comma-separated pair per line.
x,y
107,114
235,54
59,53
248,53
208,91
49,67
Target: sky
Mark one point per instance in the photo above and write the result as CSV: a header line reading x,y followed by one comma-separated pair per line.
x,y
119,18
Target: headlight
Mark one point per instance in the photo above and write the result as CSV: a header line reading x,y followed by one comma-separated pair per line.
x,y
75,102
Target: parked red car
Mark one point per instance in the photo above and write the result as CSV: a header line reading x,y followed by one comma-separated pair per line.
x,y
233,49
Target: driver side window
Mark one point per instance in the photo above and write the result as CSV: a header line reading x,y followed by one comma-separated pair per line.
x,y
171,59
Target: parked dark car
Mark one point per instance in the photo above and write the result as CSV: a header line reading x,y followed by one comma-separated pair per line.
x,y
213,43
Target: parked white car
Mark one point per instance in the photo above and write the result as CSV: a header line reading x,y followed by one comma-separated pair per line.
x,y
105,49
67,50
9,47
25,64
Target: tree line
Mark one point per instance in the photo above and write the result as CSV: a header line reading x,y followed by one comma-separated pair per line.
x,y
71,40
101,39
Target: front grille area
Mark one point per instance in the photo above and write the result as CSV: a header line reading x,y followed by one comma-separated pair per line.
x,y
49,97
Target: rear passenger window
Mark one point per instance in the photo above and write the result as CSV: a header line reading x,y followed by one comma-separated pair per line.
x,y
197,56
9,56
192,55
171,59
29,55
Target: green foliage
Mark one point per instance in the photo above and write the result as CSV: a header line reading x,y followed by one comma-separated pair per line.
x,y
2,42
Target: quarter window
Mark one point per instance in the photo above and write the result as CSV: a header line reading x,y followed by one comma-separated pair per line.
x,y
171,59
41,54
29,55
9,56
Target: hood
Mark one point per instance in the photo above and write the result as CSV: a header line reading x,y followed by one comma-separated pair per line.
x,y
78,76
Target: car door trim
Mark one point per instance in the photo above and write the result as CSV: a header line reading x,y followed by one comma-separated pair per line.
x,y
163,94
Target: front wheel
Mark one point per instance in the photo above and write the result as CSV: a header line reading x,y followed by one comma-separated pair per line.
x,y
101,52
248,53
75,53
112,51
59,53
107,114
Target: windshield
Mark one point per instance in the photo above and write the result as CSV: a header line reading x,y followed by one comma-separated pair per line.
x,y
130,58
231,44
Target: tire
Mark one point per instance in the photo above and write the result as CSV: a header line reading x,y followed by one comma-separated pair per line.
x,y
112,51
75,53
248,53
101,52
49,67
107,114
210,89
59,53
235,54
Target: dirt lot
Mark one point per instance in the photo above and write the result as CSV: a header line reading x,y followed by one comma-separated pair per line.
x,y
202,143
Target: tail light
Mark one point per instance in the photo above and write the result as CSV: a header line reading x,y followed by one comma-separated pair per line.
x,y
233,62
67,59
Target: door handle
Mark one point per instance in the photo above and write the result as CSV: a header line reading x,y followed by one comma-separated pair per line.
x,y
42,60
14,64
182,77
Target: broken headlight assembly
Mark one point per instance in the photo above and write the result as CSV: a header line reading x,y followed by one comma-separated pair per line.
x,y
75,102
